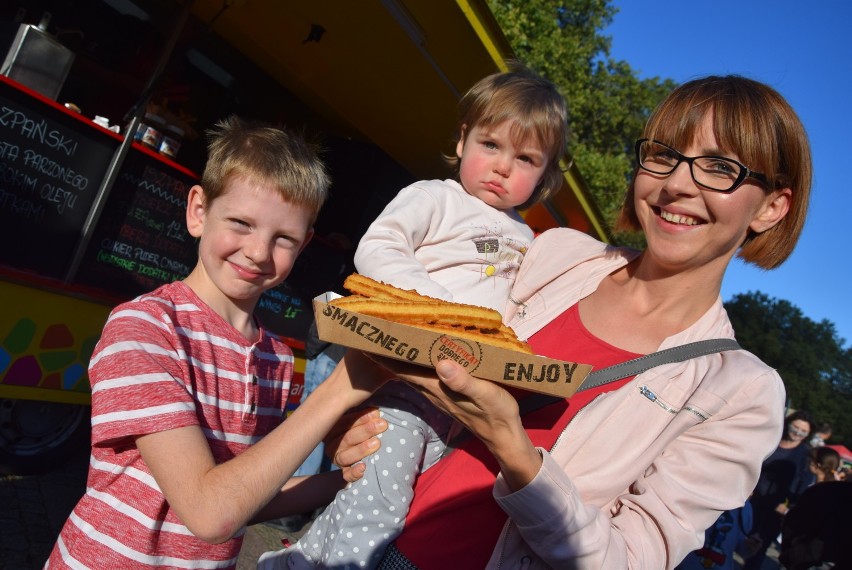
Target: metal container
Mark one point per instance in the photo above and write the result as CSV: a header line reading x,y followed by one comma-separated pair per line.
x,y
37,60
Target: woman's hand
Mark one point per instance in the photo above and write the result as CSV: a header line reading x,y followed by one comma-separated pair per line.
x,y
483,407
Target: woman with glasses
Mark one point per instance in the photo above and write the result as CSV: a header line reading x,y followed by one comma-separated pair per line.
x,y
783,477
631,473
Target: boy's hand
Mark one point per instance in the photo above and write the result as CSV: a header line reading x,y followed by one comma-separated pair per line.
x,y
352,439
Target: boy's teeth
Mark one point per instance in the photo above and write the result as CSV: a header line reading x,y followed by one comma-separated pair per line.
x,y
677,219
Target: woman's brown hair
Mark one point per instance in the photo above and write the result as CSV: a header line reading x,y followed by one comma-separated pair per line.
x,y
753,121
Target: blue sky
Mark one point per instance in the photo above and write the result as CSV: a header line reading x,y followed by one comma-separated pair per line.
x,y
804,50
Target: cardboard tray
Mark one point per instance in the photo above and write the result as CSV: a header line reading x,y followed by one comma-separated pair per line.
x,y
418,346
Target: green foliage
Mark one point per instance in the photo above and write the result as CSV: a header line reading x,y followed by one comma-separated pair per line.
x,y
810,357
608,103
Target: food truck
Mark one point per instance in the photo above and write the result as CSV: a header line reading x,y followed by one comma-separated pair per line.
x,y
103,109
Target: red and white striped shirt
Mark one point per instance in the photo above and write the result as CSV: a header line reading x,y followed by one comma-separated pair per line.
x,y
166,360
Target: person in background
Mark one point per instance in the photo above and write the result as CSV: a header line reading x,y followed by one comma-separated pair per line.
x,y
784,475
632,473
459,240
721,540
321,358
817,529
822,433
825,464
189,388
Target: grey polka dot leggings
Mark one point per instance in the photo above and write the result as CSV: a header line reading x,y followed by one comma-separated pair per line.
x,y
366,516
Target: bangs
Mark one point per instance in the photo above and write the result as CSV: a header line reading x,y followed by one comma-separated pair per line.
x,y
533,121
741,124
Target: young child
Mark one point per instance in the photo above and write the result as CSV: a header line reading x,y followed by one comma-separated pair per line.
x,y
460,240
186,382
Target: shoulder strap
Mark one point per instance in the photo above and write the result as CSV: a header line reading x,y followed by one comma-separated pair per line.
x,y
643,363
619,371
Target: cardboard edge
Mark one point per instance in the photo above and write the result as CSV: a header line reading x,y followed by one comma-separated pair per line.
x,y
411,344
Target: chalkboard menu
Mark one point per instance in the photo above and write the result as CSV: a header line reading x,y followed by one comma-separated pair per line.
x,y
51,167
321,267
140,241
286,311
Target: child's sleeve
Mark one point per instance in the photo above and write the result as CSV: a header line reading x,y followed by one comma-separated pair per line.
x,y
138,379
387,252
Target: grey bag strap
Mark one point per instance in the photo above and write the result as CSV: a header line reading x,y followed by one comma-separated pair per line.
x,y
667,356
617,372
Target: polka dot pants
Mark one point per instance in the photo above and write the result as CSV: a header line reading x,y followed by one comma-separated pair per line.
x,y
366,516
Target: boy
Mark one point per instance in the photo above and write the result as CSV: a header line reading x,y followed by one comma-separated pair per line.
x,y
460,240
186,382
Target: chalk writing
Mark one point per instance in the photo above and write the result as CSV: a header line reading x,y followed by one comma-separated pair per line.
x,y
36,130
51,166
23,208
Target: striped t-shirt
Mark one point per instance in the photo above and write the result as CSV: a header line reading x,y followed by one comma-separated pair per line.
x,y
166,360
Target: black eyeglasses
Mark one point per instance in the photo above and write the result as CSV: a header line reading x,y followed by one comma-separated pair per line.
x,y
715,173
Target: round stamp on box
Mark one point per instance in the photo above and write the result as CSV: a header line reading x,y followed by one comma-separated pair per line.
x,y
466,352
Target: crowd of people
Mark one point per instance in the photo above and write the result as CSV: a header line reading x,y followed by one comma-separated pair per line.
x,y
774,515
686,443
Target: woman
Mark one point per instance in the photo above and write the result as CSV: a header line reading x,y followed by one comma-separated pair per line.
x,y
651,461
784,476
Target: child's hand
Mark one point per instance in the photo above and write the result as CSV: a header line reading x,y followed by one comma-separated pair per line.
x,y
484,408
352,439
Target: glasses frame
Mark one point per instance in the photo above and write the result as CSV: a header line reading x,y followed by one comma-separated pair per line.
x,y
745,171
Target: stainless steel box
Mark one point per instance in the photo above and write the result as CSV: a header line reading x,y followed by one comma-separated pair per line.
x,y
36,59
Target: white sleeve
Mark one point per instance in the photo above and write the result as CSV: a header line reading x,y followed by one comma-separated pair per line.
x,y
387,250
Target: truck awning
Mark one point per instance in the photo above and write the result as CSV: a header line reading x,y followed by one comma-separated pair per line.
x,y
388,71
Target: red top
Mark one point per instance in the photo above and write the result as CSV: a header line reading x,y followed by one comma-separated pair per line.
x,y
164,361
453,500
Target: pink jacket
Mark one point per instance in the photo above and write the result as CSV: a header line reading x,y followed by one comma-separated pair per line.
x,y
633,482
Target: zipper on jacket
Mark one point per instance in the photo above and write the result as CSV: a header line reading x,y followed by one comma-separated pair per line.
x,y
574,419
526,561
645,391
698,412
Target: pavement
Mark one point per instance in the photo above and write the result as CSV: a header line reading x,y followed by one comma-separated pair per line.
x,y
34,508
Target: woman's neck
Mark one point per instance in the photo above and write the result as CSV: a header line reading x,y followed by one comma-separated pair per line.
x,y
636,308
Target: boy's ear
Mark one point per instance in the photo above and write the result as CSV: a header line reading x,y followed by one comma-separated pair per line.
x,y
774,209
195,213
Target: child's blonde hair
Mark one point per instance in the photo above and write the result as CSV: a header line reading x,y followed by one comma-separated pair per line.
x,y
537,111
268,154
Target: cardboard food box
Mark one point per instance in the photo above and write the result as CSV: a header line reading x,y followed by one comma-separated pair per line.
x,y
419,346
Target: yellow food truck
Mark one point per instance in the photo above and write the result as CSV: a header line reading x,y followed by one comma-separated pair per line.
x,y
103,108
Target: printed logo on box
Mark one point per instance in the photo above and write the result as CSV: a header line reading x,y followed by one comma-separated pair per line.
x,y
466,353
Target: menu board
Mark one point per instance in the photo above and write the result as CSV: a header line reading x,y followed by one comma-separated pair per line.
x,y
286,311
140,241
51,168
52,164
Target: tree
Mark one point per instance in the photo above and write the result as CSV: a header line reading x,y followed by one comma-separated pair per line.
x,y
810,357
608,104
